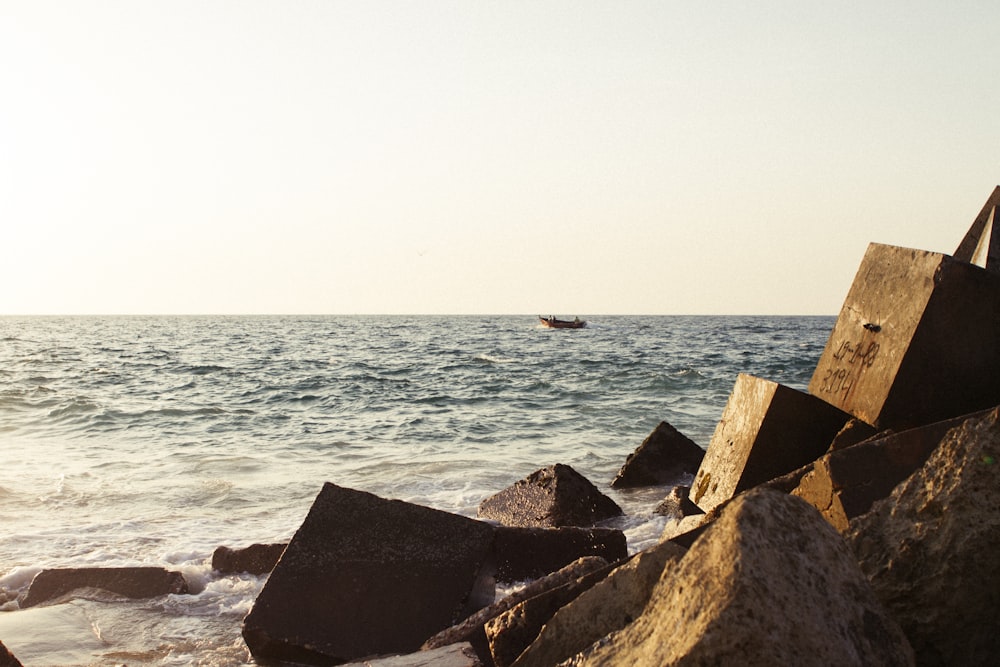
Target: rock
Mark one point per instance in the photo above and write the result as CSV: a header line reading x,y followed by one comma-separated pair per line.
x,y
254,559
766,430
844,483
529,553
549,498
677,504
471,629
929,548
7,658
129,582
509,633
365,576
854,431
609,606
915,341
665,456
453,655
768,583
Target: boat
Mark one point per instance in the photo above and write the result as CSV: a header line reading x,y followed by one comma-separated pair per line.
x,y
553,323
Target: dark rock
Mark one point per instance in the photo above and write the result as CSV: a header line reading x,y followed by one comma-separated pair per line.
x,y
844,483
549,498
129,582
367,576
854,431
665,456
930,548
7,658
770,582
509,633
453,655
609,606
471,629
677,504
529,553
254,559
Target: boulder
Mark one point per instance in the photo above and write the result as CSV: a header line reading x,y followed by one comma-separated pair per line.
x,y
254,559
664,457
453,655
7,658
549,498
609,606
915,341
529,553
766,430
129,582
770,582
929,549
844,483
509,633
367,576
677,504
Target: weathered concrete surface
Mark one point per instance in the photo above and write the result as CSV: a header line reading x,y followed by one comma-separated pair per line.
x,y
254,559
981,246
845,483
665,456
677,504
915,341
7,658
529,553
854,431
472,627
509,633
549,498
609,606
365,576
766,431
930,548
130,582
769,583
453,655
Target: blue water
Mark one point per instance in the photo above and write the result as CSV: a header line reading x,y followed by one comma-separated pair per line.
x,y
152,440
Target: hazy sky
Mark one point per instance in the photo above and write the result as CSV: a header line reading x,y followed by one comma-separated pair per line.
x,y
575,158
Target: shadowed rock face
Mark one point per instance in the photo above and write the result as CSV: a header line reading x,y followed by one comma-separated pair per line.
x,y
549,498
528,553
7,658
130,582
368,576
770,582
930,548
664,456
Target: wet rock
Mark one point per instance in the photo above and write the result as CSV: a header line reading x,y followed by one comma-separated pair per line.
x,y
529,553
929,549
770,582
844,483
7,658
471,629
549,498
254,559
365,576
665,456
129,582
509,633
677,504
609,606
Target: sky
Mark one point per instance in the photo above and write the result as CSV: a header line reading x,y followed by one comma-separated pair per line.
x,y
471,157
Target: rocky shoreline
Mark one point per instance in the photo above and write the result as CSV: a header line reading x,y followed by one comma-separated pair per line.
x,y
849,524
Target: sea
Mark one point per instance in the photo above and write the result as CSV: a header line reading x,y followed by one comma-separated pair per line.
x,y
153,440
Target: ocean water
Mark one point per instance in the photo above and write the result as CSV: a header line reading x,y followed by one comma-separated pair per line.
x,y
154,440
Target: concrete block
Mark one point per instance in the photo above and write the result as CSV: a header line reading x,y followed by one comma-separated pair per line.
x,y
129,582
366,576
766,430
915,342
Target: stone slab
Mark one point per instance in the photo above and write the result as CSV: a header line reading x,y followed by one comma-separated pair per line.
x,y
366,576
915,341
766,430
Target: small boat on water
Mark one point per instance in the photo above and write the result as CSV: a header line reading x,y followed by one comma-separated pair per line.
x,y
552,322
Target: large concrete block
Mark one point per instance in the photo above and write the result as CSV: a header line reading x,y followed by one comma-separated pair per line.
x,y
915,342
766,430
368,576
